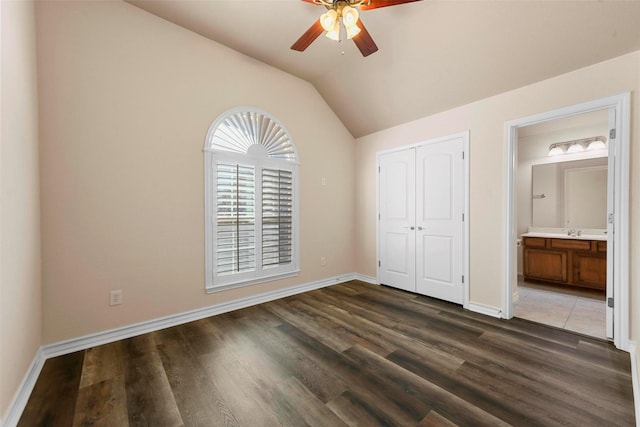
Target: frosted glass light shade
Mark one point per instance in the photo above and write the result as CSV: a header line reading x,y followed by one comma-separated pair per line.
x,y
555,151
334,33
596,145
575,148
352,31
349,16
329,19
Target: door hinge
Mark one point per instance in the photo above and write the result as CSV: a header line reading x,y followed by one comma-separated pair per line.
x,y
612,134
379,169
463,155
611,220
610,302
379,264
379,217
463,217
463,278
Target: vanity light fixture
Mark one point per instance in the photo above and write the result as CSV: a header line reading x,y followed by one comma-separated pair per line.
x,y
578,145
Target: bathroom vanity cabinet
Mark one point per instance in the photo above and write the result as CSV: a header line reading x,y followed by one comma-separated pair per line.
x,y
572,262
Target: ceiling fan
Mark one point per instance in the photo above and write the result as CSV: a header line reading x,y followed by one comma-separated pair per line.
x,y
347,10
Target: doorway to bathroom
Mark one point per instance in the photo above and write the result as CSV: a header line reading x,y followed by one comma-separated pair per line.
x,y
561,221
568,186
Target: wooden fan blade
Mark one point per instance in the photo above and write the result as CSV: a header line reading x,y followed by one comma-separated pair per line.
x,y
311,1
364,41
375,4
308,37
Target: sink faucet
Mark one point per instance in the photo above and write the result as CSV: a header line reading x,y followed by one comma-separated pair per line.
x,y
571,232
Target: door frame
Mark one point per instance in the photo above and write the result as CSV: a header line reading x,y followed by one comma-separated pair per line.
x,y
620,103
465,144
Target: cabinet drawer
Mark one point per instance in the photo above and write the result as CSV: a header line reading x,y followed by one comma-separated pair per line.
x,y
534,242
602,246
583,245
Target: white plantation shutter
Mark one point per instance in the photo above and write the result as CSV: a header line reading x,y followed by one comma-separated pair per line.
x,y
235,219
250,201
277,217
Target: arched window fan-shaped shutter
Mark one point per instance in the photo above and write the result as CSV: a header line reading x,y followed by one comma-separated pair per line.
x,y
250,200
238,131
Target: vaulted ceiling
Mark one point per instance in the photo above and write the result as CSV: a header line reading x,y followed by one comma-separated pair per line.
x,y
433,55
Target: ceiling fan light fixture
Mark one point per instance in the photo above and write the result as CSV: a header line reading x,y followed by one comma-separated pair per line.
x,y
344,13
328,20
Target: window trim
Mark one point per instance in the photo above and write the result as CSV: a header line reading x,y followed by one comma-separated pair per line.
x,y
260,161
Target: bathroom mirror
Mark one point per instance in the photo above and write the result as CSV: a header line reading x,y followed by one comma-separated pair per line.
x,y
570,194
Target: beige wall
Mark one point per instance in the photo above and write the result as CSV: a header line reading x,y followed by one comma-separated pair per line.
x,y
20,318
485,120
125,103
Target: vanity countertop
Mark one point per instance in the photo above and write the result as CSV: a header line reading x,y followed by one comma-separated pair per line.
x,y
602,237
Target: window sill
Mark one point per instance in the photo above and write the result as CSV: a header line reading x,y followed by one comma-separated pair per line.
x,y
241,284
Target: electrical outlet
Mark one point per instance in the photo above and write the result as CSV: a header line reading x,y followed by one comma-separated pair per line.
x,y
115,297
323,181
323,261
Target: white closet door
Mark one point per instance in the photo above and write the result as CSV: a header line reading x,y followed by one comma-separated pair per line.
x,y
397,186
439,221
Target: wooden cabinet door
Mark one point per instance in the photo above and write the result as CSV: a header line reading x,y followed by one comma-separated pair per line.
x,y
546,265
590,269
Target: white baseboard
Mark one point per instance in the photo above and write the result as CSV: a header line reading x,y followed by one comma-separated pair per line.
x,y
21,397
635,380
366,279
105,337
82,343
484,309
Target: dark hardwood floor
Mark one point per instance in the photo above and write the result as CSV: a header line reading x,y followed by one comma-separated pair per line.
x,y
349,354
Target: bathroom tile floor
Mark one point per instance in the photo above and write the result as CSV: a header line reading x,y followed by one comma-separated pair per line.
x,y
577,310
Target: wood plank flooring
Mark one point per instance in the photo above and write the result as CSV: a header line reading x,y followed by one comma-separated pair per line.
x,y
350,354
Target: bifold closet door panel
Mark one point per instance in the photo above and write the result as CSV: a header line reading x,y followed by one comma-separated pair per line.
x,y
397,186
439,220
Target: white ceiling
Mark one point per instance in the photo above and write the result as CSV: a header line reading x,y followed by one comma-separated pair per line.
x,y
433,55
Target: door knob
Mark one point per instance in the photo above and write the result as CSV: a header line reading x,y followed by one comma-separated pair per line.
x,y
419,228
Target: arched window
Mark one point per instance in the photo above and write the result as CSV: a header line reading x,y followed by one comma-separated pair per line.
x,y
251,213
